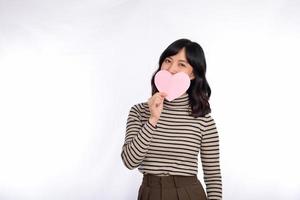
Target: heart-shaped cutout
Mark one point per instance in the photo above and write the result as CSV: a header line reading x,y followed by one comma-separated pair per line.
x,y
174,85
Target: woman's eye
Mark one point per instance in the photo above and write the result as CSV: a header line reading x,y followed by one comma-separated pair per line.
x,y
182,64
167,60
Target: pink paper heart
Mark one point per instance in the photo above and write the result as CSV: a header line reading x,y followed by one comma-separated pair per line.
x,y
174,85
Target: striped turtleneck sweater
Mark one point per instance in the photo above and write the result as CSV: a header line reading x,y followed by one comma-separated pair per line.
x,y
173,145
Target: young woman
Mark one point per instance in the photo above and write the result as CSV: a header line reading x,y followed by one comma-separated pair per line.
x,y
164,138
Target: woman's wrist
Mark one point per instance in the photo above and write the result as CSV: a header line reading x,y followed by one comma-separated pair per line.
x,y
153,121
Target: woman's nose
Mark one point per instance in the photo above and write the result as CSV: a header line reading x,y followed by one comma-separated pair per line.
x,y
172,69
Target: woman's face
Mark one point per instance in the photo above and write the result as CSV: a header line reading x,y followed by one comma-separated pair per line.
x,y
178,63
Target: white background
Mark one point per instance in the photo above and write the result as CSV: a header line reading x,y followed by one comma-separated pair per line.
x,y
71,70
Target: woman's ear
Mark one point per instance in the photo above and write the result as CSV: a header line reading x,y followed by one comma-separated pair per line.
x,y
192,76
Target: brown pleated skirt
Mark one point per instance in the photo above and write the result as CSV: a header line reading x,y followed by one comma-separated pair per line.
x,y
171,187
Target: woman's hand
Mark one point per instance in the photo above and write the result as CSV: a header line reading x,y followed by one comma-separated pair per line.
x,y
155,106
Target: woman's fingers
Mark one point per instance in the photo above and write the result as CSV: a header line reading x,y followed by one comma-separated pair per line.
x,y
157,98
158,101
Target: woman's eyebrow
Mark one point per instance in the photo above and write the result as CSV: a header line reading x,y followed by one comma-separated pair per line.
x,y
178,60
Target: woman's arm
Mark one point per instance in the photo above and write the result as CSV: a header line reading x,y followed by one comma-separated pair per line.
x,y
137,139
210,160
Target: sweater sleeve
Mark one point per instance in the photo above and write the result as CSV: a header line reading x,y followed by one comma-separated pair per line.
x,y
210,160
137,139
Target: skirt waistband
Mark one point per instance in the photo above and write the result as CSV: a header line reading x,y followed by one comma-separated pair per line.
x,y
151,180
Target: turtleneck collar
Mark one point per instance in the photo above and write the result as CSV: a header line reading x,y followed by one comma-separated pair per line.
x,y
181,102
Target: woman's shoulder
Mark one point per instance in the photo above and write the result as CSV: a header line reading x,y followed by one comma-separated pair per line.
x,y
205,118
208,115
140,107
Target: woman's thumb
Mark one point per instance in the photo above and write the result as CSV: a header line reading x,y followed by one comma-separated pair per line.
x,y
164,94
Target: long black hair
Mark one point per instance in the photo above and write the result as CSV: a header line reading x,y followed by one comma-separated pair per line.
x,y
199,91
